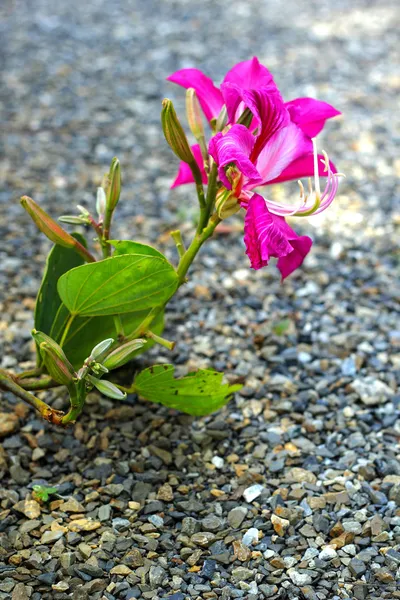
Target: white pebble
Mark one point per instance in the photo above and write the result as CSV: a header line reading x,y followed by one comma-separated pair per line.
x,y
250,536
218,462
252,492
327,553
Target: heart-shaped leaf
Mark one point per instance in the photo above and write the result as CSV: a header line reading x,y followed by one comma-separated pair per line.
x,y
199,393
117,285
129,247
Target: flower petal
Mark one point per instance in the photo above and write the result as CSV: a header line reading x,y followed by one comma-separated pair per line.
x,y
268,235
185,174
234,147
310,114
249,74
301,167
284,147
209,96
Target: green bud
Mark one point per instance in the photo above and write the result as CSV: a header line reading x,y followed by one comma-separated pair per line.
x,y
123,354
193,114
101,347
100,201
98,369
114,185
73,220
107,388
59,369
52,230
174,133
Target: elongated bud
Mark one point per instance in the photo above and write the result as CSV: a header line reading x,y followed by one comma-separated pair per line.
x,y
73,220
100,201
100,348
41,338
114,186
174,133
60,370
107,388
193,114
52,230
226,204
123,354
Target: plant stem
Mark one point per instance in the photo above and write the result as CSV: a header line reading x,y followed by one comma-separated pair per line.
x,y
50,414
212,189
66,330
160,340
106,232
45,383
119,327
31,373
197,242
77,396
177,237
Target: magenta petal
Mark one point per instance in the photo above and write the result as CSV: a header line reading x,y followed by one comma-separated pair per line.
x,y
301,167
234,147
310,114
249,74
209,96
185,174
301,246
269,235
284,147
262,237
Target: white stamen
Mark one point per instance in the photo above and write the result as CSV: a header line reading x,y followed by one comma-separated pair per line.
x,y
316,172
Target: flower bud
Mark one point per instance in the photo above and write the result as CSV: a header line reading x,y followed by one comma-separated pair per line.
x,y
52,230
100,201
114,185
73,220
174,134
226,204
107,388
61,371
123,354
100,348
193,114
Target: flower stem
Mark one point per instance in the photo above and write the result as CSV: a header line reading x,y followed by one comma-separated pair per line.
x,y
177,237
66,330
160,340
50,414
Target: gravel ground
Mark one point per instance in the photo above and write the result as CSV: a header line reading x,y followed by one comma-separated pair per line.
x,y
293,490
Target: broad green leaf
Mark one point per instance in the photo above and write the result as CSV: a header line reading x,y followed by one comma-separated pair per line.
x,y
59,261
129,247
86,332
199,393
117,285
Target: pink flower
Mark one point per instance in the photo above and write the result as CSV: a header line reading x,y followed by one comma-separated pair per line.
x,y
266,235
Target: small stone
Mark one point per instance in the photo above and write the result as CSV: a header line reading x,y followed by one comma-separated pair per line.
x,y
218,462
301,475
357,567
20,592
156,576
120,524
298,578
29,508
250,537
134,558
83,525
72,506
203,539
121,570
372,391
236,516
156,520
104,512
327,553
352,527
393,556
19,475
190,526
165,493
240,551
269,591
9,423
49,537
208,569
253,492
280,525
61,586
241,574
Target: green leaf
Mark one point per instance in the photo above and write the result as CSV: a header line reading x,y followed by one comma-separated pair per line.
x,y
42,493
199,393
117,285
86,332
59,261
136,248
282,327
